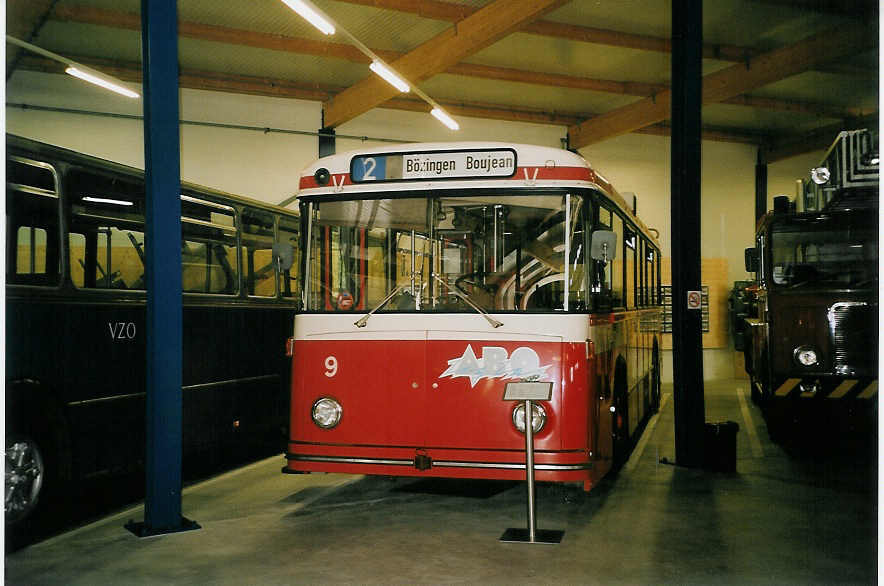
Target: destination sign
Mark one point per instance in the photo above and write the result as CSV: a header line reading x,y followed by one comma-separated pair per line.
x,y
437,165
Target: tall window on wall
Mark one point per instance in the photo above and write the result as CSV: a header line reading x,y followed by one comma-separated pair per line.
x,y
259,270
32,212
208,247
106,235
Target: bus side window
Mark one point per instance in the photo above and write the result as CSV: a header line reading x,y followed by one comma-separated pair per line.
x,y
208,247
640,269
618,298
288,280
632,283
31,251
650,275
32,224
106,237
259,270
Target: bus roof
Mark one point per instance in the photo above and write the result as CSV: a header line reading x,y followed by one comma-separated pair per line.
x,y
453,165
18,145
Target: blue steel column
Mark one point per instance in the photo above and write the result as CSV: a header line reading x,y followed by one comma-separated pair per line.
x,y
687,340
159,38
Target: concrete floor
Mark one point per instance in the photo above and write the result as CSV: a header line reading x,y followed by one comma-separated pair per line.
x,y
784,518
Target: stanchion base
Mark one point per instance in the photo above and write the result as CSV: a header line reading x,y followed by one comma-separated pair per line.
x,y
546,536
141,529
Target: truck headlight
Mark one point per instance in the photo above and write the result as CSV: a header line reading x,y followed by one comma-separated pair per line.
x,y
805,356
326,412
538,417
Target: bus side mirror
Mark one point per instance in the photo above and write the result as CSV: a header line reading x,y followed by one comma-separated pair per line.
x,y
603,245
751,256
283,255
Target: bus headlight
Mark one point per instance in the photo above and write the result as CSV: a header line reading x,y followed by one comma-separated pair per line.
x,y
805,356
326,412
538,417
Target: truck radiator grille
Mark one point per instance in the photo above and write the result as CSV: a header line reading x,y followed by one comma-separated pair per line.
x,y
853,328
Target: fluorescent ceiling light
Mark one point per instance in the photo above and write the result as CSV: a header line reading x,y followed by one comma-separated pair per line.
x,y
443,117
77,70
389,75
323,23
312,15
117,202
101,81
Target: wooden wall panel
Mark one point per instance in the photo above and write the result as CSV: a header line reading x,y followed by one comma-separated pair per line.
x,y
715,276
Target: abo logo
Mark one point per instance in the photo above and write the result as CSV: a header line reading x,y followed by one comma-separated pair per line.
x,y
524,363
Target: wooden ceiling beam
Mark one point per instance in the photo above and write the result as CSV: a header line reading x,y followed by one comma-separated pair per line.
x,y
440,10
860,9
281,88
302,46
475,32
727,83
24,19
451,12
817,139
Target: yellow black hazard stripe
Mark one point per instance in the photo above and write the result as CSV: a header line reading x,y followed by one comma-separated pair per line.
x,y
858,389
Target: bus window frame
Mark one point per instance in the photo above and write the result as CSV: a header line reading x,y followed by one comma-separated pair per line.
x,y
235,229
591,196
61,268
241,250
280,275
621,235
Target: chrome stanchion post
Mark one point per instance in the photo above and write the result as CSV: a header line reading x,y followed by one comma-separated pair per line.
x,y
529,469
529,392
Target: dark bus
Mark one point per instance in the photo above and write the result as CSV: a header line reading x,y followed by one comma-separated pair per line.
x,y
75,322
812,348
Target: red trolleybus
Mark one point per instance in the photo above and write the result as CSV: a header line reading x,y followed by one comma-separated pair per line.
x,y
436,274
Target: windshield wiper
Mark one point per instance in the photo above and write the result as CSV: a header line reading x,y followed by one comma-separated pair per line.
x,y
360,323
462,295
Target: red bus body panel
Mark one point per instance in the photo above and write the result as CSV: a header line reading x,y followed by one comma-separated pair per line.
x,y
442,399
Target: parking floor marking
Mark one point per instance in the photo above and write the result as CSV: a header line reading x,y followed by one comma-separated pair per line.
x,y
643,442
754,441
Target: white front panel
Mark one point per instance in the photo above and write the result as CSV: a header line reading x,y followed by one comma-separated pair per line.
x,y
446,326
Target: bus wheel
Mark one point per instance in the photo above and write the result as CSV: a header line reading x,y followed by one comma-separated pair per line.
x,y
620,422
620,425
758,384
25,473
655,379
756,395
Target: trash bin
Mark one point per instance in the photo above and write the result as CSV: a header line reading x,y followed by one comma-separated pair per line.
x,y
720,446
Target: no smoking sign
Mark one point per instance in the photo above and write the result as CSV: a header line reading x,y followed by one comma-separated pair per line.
x,y
695,299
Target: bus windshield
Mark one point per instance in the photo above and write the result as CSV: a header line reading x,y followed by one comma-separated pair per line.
x,y
827,252
498,251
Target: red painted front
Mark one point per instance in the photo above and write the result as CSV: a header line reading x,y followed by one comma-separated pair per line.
x,y
397,405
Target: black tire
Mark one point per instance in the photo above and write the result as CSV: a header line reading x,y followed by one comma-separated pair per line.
x,y
756,396
620,417
656,379
758,381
